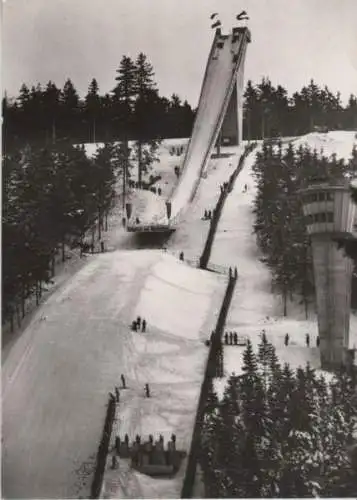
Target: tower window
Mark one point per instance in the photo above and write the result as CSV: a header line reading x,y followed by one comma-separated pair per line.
x,y
309,219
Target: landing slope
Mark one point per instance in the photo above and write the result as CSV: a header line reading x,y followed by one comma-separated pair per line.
x,y
56,378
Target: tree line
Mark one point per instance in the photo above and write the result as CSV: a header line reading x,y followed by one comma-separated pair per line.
x,y
46,113
279,433
51,196
270,112
279,223
132,110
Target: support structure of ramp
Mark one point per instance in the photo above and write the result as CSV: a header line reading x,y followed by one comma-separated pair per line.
x,y
219,113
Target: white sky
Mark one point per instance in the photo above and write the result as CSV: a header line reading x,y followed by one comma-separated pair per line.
x,y
292,41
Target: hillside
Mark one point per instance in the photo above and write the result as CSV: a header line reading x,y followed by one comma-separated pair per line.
x,y
79,342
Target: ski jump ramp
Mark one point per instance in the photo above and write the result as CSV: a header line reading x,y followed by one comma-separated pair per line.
x,y
220,109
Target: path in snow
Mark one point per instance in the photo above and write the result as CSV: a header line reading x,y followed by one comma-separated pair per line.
x,y
191,234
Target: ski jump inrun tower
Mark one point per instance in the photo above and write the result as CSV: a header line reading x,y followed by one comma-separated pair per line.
x,y
219,117
329,213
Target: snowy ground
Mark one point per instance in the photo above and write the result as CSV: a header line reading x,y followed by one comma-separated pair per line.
x,y
254,307
74,351
59,372
335,142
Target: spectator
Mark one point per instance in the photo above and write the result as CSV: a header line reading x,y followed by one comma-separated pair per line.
x,y
317,341
286,339
123,381
143,326
226,338
117,444
235,338
117,395
147,390
307,338
138,322
181,256
230,338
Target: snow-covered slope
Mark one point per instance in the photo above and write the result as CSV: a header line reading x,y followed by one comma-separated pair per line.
x,y
254,307
335,142
57,377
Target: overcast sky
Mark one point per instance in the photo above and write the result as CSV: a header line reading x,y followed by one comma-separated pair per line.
x,y
292,41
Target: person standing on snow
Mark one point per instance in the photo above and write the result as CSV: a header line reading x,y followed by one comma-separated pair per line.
x,y
286,339
117,394
143,327
147,390
307,338
123,381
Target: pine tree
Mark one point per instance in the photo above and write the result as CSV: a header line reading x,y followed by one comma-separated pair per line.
x,y
51,106
125,93
93,105
145,104
69,100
